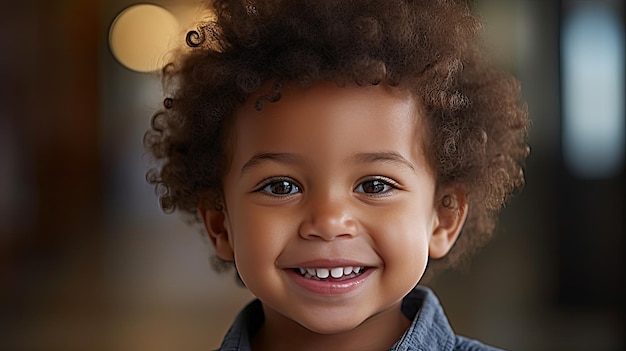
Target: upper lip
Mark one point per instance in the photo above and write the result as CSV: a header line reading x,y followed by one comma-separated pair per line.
x,y
328,263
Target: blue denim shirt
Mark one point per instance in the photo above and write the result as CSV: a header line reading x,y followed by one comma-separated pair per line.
x,y
429,330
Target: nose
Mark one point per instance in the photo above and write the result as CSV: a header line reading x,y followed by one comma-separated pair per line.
x,y
328,218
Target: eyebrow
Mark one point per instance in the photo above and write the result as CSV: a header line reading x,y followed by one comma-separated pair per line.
x,y
365,157
386,157
267,157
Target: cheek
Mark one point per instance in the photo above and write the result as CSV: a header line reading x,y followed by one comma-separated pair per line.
x,y
258,238
403,239
406,246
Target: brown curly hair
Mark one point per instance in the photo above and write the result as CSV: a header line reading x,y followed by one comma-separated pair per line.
x,y
431,48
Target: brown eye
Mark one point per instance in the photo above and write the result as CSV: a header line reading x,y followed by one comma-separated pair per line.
x,y
374,186
281,187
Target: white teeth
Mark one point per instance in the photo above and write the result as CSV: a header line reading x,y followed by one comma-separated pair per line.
x,y
323,273
336,272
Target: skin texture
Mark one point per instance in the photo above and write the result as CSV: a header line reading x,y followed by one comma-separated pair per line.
x,y
434,49
330,177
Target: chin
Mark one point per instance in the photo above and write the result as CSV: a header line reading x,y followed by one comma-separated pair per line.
x,y
330,328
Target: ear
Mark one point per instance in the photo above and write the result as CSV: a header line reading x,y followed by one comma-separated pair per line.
x,y
451,206
215,223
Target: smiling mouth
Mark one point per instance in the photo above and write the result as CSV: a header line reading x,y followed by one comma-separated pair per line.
x,y
337,273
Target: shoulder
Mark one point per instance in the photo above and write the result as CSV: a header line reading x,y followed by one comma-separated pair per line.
x,y
430,327
248,321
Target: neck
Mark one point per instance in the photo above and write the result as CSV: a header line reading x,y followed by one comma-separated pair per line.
x,y
378,332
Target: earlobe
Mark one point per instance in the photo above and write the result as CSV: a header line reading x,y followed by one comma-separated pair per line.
x,y
451,210
215,225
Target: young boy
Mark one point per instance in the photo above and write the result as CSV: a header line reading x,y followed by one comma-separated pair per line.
x,y
335,151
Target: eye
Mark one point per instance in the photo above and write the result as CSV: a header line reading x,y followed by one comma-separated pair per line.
x,y
376,186
280,187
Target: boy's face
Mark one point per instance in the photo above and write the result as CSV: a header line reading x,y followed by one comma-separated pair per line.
x,y
331,209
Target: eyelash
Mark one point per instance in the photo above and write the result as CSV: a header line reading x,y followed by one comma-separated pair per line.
x,y
265,184
388,185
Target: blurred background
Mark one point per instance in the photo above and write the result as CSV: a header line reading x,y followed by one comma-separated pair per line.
x,y
89,262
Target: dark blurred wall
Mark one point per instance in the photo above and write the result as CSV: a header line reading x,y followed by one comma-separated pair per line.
x,y
51,176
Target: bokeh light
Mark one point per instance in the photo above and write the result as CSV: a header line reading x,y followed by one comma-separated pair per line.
x,y
593,91
139,35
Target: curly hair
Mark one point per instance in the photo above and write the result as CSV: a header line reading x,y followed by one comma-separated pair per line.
x,y
432,48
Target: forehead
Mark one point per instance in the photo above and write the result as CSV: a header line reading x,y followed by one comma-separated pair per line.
x,y
326,120
325,99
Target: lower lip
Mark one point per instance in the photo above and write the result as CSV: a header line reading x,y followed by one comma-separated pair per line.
x,y
329,288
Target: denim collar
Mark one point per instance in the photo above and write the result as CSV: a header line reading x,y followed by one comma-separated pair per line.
x,y
429,330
